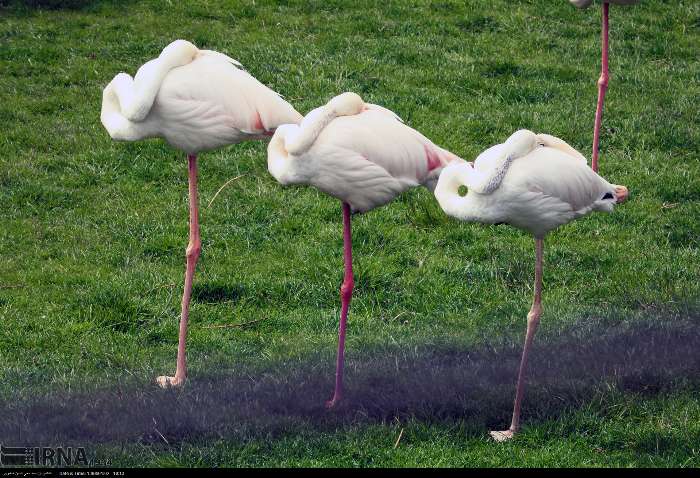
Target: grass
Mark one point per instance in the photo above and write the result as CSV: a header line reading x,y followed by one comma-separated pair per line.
x,y
94,232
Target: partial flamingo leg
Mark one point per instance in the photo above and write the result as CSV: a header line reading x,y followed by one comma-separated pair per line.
x,y
345,297
602,88
533,320
194,248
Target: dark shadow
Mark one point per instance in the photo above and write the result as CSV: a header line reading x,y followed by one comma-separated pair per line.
x,y
216,292
49,4
437,384
61,4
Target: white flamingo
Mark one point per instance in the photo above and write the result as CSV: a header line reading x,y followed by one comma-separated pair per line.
x,y
361,154
535,183
197,100
604,75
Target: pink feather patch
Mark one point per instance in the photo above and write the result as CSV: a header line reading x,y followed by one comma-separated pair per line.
x,y
257,122
432,158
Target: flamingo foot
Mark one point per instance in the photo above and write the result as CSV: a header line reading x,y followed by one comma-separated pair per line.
x,y
502,436
170,382
333,402
621,194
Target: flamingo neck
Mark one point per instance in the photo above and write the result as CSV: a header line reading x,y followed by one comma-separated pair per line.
x,y
345,104
518,144
150,76
310,128
280,163
486,182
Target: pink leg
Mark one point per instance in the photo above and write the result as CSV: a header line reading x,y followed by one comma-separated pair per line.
x,y
193,250
602,88
345,296
533,320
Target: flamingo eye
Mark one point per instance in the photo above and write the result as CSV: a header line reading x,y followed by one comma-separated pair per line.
x,y
462,190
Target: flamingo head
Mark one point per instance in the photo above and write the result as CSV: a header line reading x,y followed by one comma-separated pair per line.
x,y
179,52
521,143
347,104
280,162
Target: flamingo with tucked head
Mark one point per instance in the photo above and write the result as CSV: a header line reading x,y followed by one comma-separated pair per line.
x,y
535,182
197,100
361,154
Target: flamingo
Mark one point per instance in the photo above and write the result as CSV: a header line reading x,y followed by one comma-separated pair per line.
x,y
603,80
361,154
197,100
535,182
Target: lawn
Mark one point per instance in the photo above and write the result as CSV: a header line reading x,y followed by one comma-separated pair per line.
x,y
94,233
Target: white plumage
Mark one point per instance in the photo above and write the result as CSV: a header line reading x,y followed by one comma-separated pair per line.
x,y
535,182
545,184
197,100
359,153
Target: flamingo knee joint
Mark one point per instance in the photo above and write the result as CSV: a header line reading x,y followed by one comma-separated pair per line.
x,y
193,250
346,289
534,315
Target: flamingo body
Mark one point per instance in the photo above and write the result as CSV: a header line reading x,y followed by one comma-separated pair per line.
x,y
543,189
533,182
361,154
197,100
365,158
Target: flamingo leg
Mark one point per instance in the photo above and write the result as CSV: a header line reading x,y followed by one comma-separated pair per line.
x,y
194,248
602,88
533,320
345,297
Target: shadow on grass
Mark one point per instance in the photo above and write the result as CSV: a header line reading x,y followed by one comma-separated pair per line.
x,y
216,292
431,384
58,4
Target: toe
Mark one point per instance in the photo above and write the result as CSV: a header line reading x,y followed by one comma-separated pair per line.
x,y
501,436
165,381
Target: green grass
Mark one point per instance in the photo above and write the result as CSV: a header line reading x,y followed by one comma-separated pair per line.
x,y
94,231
